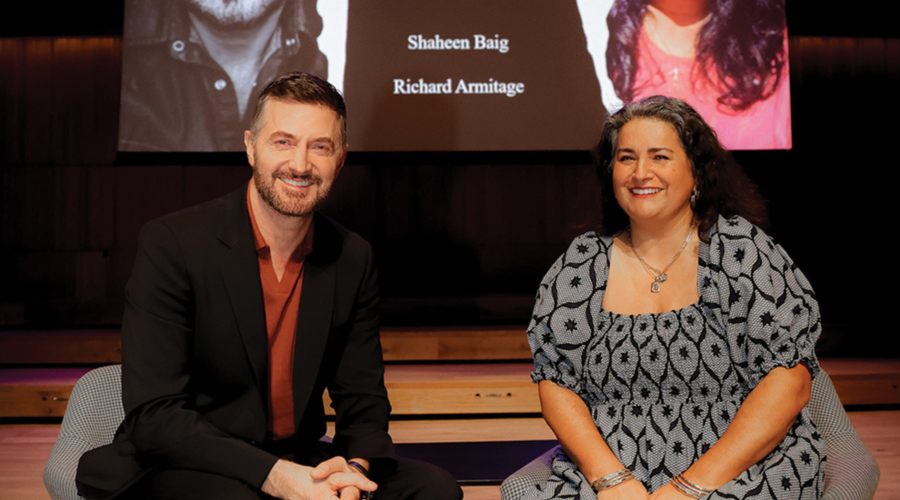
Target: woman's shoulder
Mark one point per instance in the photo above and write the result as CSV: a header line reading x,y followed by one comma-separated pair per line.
x,y
738,247
734,236
575,275
583,249
586,246
734,226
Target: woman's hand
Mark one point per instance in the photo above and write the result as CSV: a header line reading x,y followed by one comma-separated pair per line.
x,y
629,490
668,492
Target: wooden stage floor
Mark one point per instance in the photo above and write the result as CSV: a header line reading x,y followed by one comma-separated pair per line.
x,y
24,448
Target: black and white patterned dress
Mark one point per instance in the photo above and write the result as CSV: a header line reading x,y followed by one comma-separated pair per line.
x,y
662,388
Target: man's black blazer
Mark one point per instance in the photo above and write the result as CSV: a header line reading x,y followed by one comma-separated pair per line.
x,y
194,351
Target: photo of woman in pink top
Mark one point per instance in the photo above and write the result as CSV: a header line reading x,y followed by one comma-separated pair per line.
x,y
726,58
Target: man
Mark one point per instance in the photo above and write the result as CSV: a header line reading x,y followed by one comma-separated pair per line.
x,y
192,68
239,313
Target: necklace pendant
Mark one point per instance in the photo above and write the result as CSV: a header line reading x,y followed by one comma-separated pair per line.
x,y
662,278
655,287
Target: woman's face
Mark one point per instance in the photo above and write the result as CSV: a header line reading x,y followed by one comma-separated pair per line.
x,y
652,177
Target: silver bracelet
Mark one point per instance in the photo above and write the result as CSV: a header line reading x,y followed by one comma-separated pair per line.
x,y
688,488
610,480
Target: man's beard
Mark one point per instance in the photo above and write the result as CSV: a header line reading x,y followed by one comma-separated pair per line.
x,y
234,12
289,203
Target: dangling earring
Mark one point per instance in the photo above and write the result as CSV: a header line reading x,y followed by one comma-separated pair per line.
x,y
694,195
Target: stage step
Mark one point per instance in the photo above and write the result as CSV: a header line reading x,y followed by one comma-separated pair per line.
x,y
443,389
72,347
474,450
414,390
36,392
467,430
440,389
864,381
400,344
461,343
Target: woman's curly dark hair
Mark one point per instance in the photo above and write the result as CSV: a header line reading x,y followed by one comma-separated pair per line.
x,y
724,188
743,43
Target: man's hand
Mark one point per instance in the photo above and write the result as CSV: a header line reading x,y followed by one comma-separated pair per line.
x,y
339,465
290,481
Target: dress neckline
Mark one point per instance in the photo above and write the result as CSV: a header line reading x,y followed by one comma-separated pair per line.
x,y
702,276
695,305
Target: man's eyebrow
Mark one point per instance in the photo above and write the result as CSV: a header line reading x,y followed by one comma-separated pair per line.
x,y
327,140
281,133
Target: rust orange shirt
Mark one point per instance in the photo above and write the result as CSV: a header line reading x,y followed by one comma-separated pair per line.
x,y
282,301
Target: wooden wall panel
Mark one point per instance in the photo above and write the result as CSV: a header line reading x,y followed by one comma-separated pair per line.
x,y
142,194
204,183
353,199
62,98
12,62
99,215
56,209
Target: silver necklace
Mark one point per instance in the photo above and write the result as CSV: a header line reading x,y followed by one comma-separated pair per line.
x,y
660,277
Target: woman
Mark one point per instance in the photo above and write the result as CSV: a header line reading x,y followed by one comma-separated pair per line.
x,y
674,352
726,58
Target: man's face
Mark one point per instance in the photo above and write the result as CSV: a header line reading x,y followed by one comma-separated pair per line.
x,y
296,156
232,12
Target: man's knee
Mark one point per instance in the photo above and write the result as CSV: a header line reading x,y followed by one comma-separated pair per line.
x,y
415,480
438,484
183,484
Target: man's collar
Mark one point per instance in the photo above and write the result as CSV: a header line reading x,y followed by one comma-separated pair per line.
x,y
235,230
302,250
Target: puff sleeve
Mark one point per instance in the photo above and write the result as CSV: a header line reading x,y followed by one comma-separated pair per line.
x,y
761,298
563,318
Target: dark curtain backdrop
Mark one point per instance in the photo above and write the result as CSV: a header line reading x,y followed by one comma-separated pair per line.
x,y
459,238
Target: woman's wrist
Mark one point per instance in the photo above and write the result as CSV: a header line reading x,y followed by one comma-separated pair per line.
x,y
689,487
613,479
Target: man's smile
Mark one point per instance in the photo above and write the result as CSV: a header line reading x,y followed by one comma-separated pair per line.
x,y
298,183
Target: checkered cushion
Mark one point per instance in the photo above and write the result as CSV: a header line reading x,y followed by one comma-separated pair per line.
x,y
93,414
850,470
535,472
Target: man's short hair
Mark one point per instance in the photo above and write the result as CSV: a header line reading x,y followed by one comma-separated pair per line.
x,y
302,88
